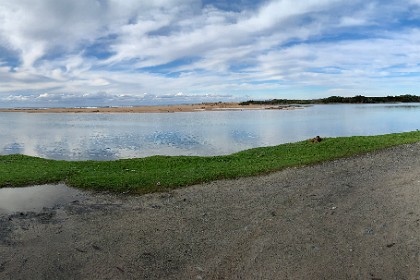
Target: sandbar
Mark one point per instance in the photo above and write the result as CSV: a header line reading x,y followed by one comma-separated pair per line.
x,y
218,106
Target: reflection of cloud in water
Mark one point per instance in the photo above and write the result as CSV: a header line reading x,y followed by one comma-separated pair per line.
x,y
35,198
402,106
123,141
60,151
14,148
112,136
244,137
101,154
173,139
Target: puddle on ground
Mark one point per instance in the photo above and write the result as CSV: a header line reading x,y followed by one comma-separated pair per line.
x,y
35,198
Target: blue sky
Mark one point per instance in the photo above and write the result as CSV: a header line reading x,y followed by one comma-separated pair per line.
x,y
133,52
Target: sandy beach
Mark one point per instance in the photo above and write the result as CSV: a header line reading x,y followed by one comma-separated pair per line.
x,y
355,218
157,109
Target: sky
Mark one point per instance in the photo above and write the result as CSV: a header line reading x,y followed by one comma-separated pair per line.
x,y
56,53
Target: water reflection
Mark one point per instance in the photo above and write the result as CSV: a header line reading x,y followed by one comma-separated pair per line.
x,y
13,148
172,138
113,136
393,106
35,198
244,137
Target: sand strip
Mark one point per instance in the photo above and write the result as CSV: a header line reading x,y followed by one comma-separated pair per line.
x,y
157,109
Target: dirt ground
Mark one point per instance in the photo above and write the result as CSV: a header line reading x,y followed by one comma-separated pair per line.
x,y
356,218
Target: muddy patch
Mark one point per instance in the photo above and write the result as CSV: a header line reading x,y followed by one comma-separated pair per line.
x,y
5,231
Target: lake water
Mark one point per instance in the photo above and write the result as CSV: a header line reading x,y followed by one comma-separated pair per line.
x,y
113,136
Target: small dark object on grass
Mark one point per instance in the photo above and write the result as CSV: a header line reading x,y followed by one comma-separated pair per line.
x,y
315,140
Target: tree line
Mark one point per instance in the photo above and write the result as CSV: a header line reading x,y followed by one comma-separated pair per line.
x,y
358,99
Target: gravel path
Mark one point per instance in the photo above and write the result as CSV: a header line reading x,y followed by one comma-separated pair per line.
x,y
356,218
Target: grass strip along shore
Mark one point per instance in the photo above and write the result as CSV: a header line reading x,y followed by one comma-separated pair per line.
x,y
163,173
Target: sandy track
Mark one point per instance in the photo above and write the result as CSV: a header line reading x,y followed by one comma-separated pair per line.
x,y
356,218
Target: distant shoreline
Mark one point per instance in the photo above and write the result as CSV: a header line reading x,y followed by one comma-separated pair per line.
x,y
273,104
219,106
358,99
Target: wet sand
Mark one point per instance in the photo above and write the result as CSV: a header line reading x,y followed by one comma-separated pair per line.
x,y
157,109
355,218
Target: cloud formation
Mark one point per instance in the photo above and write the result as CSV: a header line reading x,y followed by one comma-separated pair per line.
x,y
64,50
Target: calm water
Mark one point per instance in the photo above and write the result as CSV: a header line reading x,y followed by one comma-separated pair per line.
x,y
35,198
113,136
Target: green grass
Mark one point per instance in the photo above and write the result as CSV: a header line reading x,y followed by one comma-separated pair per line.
x,y
162,173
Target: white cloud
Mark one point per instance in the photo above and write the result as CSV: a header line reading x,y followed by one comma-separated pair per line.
x,y
74,47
